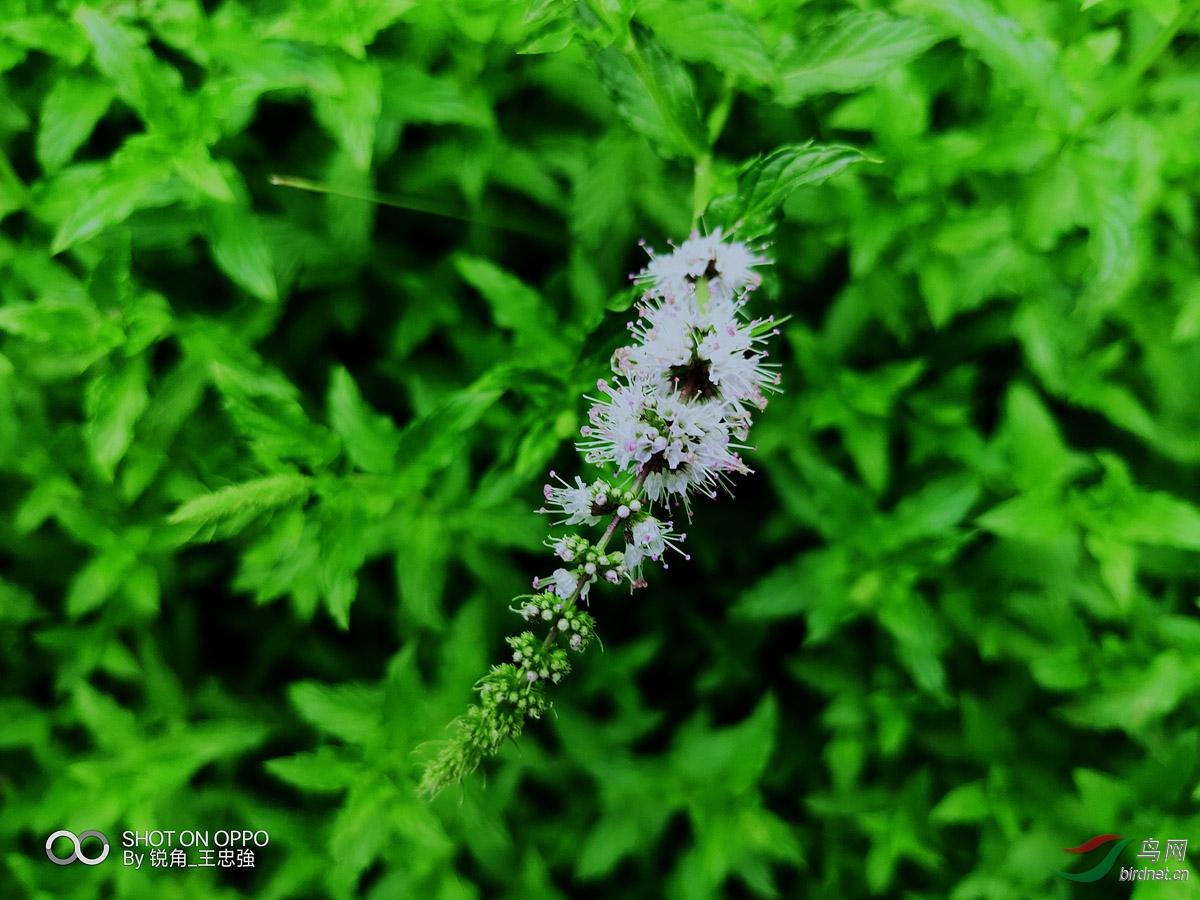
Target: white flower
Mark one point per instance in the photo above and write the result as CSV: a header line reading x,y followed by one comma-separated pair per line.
x,y
727,267
649,537
619,433
729,353
564,583
687,445
709,354
577,502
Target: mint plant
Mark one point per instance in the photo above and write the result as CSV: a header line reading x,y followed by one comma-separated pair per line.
x,y
298,303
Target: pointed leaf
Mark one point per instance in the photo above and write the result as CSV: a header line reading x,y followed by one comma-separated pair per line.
x,y
853,52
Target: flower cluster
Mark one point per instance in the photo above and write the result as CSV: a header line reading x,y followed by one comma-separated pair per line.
x,y
668,423
679,408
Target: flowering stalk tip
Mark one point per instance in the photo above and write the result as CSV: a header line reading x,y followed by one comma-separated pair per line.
x,y
668,423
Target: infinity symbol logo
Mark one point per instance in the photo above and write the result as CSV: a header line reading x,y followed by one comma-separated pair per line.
x,y
77,853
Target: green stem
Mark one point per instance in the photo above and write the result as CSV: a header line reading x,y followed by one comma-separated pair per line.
x,y
613,524
720,111
704,181
702,188
508,223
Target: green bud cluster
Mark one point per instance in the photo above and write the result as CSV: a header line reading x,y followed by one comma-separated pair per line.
x,y
615,498
585,558
506,698
538,661
574,623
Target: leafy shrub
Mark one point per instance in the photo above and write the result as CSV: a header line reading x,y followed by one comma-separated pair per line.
x,y
297,306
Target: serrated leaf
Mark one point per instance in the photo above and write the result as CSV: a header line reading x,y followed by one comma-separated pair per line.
x,y
422,546
919,637
733,757
1004,45
765,183
258,495
654,94
514,305
554,37
1133,698
853,52
934,509
1032,516
699,32
609,840
64,325
1187,324
427,444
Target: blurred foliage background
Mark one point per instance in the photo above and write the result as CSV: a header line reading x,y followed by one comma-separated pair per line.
x,y
269,457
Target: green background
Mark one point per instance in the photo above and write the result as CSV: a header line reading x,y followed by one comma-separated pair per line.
x,y
269,457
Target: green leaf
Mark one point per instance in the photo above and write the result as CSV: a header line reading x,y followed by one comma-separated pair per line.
x,y
966,803
817,584
1005,45
98,580
69,114
320,772
63,325
115,400
765,183
351,116
609,840
422,557
934,509
919,636
1131,699
699,32
1033,442
153,89
654,94
50,32
1187,325
349,712
259,495
124,185
853,52
730,759
369,439
411,94
236,238
1034,516
240,251
429,443
514,305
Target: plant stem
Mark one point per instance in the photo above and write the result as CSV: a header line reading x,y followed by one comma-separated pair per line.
x,y
509,223
613,524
